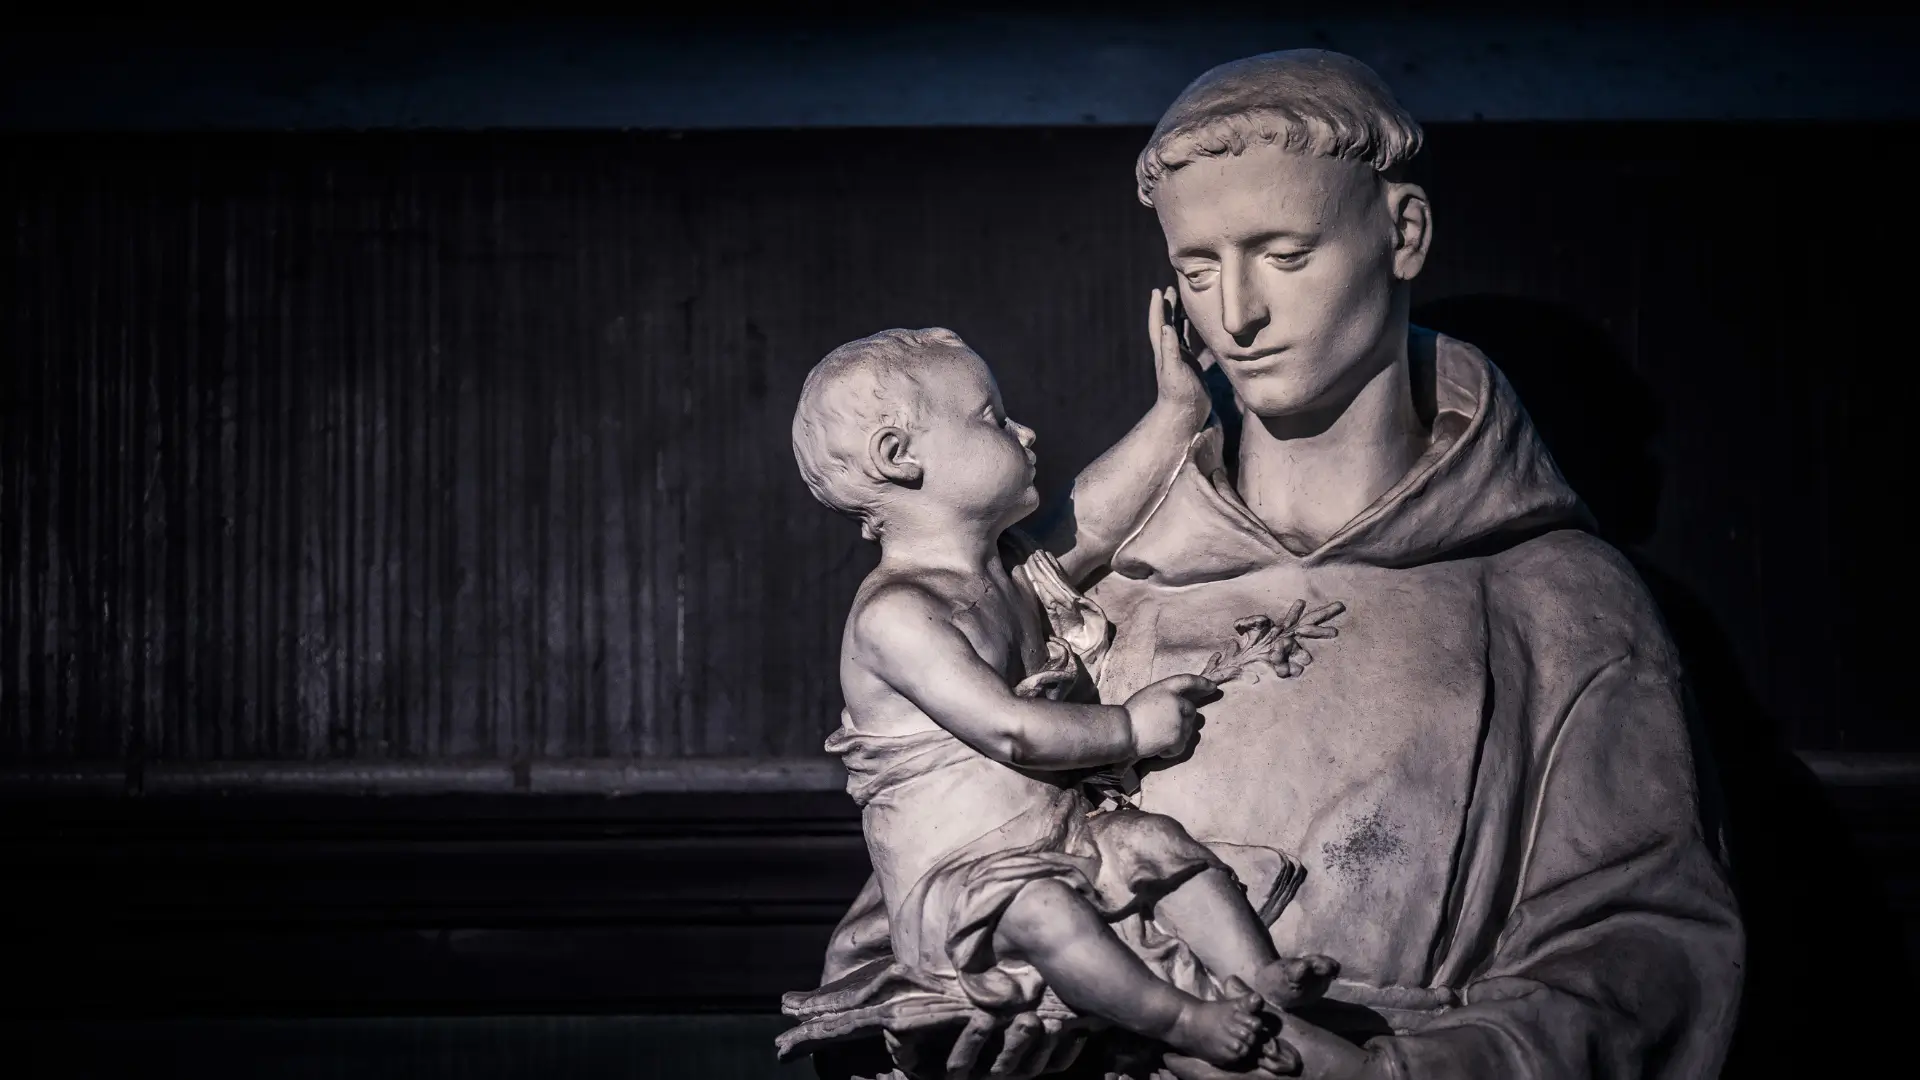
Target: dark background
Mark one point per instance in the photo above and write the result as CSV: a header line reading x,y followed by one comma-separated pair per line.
x,y
408,607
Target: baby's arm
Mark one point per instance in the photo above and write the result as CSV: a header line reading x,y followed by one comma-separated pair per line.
x,y
1114,495
904,635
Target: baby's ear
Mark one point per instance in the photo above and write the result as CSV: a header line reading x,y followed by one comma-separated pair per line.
x,y
890,459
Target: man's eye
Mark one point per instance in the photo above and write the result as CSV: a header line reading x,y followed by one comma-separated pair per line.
x,y
1287,258
1201,277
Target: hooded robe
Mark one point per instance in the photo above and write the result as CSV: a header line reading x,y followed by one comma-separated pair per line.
x,y
1488,775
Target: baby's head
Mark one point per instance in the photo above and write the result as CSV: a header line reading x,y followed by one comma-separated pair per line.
x,y
904,422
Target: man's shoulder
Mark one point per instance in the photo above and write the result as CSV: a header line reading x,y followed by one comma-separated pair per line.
x,y
1572,587
1571,553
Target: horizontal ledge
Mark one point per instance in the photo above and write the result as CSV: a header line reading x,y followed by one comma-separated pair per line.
x,y
1863,769
596,777
558,777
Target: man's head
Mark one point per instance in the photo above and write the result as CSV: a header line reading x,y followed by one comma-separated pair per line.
x,y
1276,180
911,415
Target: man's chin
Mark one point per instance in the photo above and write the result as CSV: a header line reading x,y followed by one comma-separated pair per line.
x,y
1281,400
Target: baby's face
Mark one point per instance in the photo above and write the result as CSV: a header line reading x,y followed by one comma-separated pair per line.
x,y
975,458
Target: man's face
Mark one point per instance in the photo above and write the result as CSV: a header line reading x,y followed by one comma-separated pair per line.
x,y
1287,269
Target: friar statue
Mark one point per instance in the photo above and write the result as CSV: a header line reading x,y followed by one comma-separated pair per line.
x,y
1488,779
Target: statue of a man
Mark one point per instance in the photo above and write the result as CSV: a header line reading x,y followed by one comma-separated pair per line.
x,y
1490,780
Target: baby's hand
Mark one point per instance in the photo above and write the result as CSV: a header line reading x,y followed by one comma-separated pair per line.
x,y
1175,366
1163,715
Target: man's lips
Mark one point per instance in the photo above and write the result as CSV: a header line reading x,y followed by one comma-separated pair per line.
x,y
1256,357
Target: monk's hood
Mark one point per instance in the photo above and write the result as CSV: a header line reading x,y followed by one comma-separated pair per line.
x,y
1485,478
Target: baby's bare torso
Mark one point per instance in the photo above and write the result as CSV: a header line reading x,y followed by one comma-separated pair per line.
x,y
935,813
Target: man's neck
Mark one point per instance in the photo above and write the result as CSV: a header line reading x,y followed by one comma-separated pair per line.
x,y
1306,478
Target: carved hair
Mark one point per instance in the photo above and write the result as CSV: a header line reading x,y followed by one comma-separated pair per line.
x,y
854,390
1305,100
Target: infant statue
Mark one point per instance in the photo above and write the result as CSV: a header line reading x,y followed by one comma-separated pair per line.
x,y
971,738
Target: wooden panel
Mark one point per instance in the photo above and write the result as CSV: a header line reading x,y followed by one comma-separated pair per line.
x,y
722,1047
147,912
473,447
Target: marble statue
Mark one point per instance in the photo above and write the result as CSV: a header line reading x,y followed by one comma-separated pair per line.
x,y
1473,829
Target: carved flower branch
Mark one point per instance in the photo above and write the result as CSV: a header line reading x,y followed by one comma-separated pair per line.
x,y
1275,644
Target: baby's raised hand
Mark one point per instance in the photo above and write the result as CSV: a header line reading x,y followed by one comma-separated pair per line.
x,y
1176,363
1164,714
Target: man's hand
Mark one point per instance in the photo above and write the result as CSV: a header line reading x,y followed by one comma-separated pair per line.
x,y
1029,1048
1324,1055
1176,366
1300,1049
1164,715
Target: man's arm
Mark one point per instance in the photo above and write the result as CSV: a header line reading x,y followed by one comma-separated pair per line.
x,y
903,634
1110,499
1621,957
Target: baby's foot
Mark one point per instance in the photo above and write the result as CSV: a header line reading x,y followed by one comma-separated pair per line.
x,y
1292,981
1222,1032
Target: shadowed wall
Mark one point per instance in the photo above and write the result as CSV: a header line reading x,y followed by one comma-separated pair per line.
x,y
466,448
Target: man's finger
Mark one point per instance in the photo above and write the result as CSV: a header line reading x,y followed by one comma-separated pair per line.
x,y
1063,1048
1285,1060
966,1048
1021,1042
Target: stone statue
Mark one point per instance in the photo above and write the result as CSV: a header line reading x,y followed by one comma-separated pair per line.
x,y
1491,794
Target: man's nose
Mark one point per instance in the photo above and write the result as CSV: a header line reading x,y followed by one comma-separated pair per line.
x,y
1243,309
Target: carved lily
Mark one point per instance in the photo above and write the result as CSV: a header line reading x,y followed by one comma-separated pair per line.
x,y
1263,640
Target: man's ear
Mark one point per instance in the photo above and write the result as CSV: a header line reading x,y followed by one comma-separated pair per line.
x,y
890,459
1412,228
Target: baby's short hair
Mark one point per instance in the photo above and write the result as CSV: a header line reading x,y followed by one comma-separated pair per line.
x,y
1305,100
874,382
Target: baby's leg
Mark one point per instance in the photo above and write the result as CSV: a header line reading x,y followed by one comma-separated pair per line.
x,y
1055,929
1210,912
